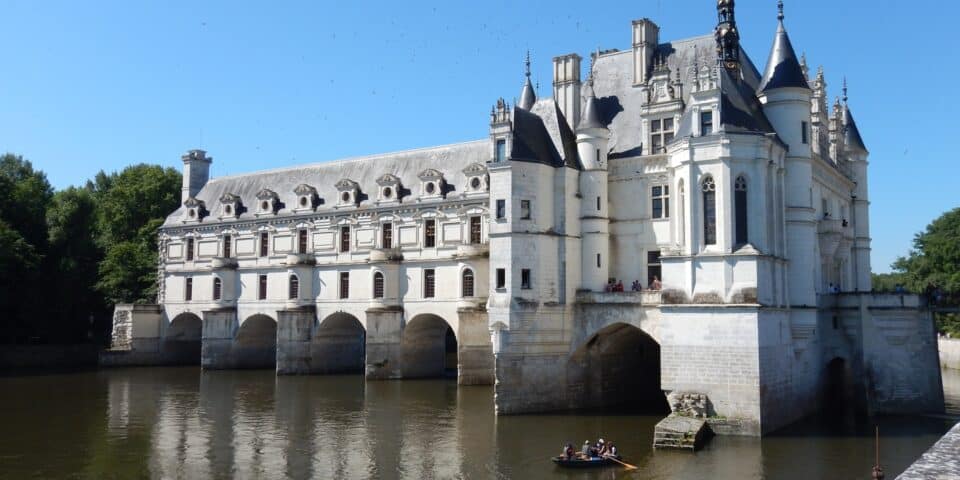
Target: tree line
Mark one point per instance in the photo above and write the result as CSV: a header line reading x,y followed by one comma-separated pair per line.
x,y
68,256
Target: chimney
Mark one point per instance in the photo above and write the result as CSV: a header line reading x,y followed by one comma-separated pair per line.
x,y
196,172
646,37
566,87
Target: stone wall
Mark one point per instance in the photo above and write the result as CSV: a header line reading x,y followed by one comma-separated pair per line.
x,y
14,357
941,461
949,352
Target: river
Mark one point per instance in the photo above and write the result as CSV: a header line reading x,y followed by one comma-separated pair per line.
x,y
184,423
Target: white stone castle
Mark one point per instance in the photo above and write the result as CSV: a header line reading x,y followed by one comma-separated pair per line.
x,y
744,194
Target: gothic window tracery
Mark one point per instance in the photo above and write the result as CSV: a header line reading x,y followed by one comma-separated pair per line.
x,y
709,189
740,209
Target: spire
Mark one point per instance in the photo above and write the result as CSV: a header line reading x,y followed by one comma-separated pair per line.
x,y
527,97
591,112
851,134
728,37
783,68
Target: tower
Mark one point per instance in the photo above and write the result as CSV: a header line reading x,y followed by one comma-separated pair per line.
x,y
646,37
196,172
566,87
857,155
592,138
786,99
728,37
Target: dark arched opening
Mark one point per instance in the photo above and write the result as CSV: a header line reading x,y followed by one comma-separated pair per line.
x,y
839,398
618,367
255,345
182,342
428,348
339,346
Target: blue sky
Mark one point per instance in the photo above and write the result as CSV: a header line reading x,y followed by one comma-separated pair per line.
x,y
99,85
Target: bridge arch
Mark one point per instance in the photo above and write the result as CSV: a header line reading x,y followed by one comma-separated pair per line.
x,y
428,348
256,342
182,339
618,366
339,344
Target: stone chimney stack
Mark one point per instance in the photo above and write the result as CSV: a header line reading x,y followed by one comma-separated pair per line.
x,y
646,37
566,87
196,172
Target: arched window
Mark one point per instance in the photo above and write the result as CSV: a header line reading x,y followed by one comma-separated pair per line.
x,y
740,209
377,285
682,214
294,287
467,284
217,288
709,211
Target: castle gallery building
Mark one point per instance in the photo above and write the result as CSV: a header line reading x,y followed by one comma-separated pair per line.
x,y
743,191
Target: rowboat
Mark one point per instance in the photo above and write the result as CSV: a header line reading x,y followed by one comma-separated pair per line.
x,y
592,462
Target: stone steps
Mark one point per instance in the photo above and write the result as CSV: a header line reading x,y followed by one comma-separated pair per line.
x,y
680,433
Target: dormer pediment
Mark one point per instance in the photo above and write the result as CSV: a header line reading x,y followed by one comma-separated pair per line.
x,y
475,169
388,180
230,205
196,209
389,189
307,198
349,193
304,189
268,201
267,194
430,174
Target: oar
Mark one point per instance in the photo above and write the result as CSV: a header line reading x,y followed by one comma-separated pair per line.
x,y
629,467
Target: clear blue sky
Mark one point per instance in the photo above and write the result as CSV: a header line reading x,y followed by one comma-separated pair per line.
x,y
99,85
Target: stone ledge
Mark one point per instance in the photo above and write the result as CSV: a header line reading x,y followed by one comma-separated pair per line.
x,y
941,461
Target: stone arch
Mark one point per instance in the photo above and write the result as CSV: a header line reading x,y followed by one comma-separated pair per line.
x,y
255,345
339,345
839,395
182,340
428,348
618,366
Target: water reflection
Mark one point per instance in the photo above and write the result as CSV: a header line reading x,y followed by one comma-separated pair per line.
x,y
184,423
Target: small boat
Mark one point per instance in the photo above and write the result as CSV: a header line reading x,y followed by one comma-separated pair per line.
x,y
592,462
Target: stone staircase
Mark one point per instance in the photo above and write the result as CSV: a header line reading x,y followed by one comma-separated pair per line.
x,y
681,433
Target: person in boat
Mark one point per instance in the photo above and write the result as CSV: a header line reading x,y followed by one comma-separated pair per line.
x,y
568,451
598,449
586,449
611,450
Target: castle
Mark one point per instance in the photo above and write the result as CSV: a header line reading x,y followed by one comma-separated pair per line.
x,y
741,197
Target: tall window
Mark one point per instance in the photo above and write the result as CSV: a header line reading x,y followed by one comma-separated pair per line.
x,y
262,288
344,284
525,209
344,239
386,235
709,211
217,288
501,153
804,133
227,244
377,285
264,244
661,133
476,231
653,267
598,204
188,290
302,241
598,260
661,201
740,209
501,278
429,283
430,233
294,287
706,123
466,284
501,209
189,249
525,281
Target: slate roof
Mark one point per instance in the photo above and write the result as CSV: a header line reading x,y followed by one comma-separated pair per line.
x,y
542,135
851,133
613,84
527,97
406,165
783,68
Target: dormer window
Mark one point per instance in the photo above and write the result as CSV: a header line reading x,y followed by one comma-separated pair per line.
x,y
349,192
196,209
389,189
706,123
661,133
431,184
229,206
477,179
268,202
307,198
500,151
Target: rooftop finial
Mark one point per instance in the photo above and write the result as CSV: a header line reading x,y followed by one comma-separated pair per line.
x,y
844,90
527,63
727,36
528,96
780,10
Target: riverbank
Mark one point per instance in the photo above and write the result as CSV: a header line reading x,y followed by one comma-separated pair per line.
x,y
44,357
949,352
941,461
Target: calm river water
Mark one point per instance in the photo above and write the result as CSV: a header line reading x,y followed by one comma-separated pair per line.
x,y
184,423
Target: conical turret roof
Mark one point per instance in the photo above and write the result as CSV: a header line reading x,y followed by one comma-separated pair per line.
x,y
851,133
783,68
527,97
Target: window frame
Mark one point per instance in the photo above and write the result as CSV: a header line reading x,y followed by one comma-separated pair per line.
x,y
344,286
660,135
293,287
430,233
500,150
804,132
386,235
468,290
501,209
379,285
217,288
660,193
264,244
429,283
190,247
706,120
526,279
475,228
741,217
188,289
708,188
526,210
501,279
345,238
654,266
262,282
227,245
303,243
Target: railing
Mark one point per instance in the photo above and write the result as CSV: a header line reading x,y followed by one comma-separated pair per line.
x,y
645,297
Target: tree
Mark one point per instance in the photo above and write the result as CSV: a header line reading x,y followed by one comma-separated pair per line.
x,y
933,266
131,206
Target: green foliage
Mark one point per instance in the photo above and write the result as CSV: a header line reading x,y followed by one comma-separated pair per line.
x,y
949,323
934,261
887,282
